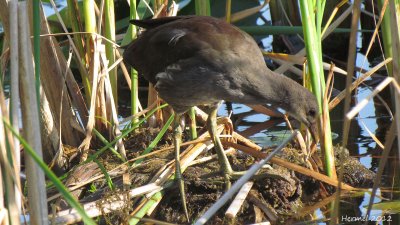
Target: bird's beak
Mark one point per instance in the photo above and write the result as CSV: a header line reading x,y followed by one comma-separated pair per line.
x,y
313,128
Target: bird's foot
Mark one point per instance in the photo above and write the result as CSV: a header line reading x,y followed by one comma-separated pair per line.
x,y
181,186
231,175
178,172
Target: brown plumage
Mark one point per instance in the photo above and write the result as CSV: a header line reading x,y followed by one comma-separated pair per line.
x,y
196,60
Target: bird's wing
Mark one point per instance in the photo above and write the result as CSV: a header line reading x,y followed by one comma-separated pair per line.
x,y
209,42
157,48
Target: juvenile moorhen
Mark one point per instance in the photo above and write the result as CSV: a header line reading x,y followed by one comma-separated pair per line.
x,y
199,60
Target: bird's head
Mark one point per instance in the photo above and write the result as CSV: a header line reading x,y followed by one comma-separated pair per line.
x,y
305,109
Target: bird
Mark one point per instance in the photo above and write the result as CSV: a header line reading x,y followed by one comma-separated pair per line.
x,y
202,60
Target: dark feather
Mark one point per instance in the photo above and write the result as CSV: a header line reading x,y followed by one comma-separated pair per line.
x,y
152,23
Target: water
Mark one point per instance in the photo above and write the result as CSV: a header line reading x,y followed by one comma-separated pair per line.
x,y
48,9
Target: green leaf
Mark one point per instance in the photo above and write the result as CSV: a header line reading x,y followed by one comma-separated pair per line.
x,y
276,137
388,207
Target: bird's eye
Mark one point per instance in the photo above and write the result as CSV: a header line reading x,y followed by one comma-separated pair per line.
x,y
312,112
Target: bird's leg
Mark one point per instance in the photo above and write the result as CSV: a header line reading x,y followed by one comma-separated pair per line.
x,y
178,172
223,160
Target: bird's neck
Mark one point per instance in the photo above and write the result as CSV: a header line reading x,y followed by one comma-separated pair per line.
x,y
280,91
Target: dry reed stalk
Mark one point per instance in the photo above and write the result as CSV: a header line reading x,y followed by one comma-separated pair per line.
x,y
267,211
334,12
15,99
356,109
240,139
282,58
95,64
102,112
211,157
124,70
14,74
201,116
104,206
325,121
264,110
71,42
334,102
237,202
247,12
139,114
104,97
376,30
52,67
350,65
116,131
29,107
9,171
373,136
